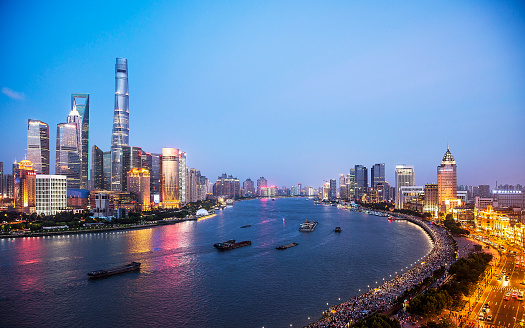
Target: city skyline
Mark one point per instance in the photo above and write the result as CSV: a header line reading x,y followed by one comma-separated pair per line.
x,y
463,87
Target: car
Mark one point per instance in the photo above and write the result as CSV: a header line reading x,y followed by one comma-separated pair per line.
x,y
486,306
520,296
507,296
481,316
523,282
506,278
489,317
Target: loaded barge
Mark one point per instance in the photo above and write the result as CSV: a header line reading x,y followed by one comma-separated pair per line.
x,y
231,244
286,246
109,272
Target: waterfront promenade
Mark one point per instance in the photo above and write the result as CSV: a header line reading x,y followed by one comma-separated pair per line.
x,y
384,296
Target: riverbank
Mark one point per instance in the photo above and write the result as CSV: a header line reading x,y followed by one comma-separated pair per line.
x,y
385,296
105,229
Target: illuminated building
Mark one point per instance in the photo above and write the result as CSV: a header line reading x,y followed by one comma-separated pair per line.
x,y
97,167
120,133
261,182
203,186
170,177
183,177
405,177
481,203
447,179
431,199
350,183
131,159
509,198
67,160
333,189
192,185
411,194
80,102
51,194
106,170
228,187
248,188
377,174
295,191
268,191
361,181
383,191
310,191
139,184
38,145
343,188
24,186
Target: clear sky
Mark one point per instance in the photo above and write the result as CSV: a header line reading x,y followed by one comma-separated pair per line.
x,y
295,91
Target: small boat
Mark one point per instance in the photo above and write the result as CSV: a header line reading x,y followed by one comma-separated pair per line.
x,y
286,246
231,244
308,226
246,226
337,229
109,272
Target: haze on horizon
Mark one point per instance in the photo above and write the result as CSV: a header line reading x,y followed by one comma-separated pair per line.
x,y
292,91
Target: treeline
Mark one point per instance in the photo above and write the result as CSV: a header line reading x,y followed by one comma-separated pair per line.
x,y
379,321
466,273
454,227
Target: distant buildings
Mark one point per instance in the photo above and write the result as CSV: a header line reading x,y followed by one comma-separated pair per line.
x,y
261,182
38,145
404,178
229,187
248,188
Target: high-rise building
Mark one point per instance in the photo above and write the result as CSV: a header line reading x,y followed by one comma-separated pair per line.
x,y
183,177
230,187
155,175
431,199
131,159
107,170
361,181
51,194
80,102
261,182
2,180
383,191
97,167
333,189
67,161
193,183
139,185
170,177
377,174
120,134
405,177
447,178
350,183
248,188
38,145
24,186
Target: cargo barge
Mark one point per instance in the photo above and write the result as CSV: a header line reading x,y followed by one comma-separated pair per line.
x,y
231,244
286,246
109,272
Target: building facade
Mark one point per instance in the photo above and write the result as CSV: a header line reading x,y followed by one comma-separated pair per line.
x,y
229,187
24,187
405,177
447,178
38,145
97,167
139,185
170,178
261,182
377,175
248,188
361,181
120,133
80,102
51,194
67,160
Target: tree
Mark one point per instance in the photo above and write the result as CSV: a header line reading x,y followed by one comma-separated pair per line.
x,y
378,321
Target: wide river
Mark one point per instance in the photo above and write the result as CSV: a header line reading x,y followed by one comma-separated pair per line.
x,y
185,282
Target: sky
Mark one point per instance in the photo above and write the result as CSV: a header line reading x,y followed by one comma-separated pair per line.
x,y
295,91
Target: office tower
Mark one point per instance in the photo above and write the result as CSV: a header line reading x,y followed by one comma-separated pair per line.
x,y
261,183
182,178
51,194
38,145
333,189
120,134
24,186
170,177
404,178
2,180
106,170
350,182
343,187
203,187
431,199
131,159
383,191
67,160
192,186
97,167
248,188
361,181
139,185
80,102
447,178
377,174
229,187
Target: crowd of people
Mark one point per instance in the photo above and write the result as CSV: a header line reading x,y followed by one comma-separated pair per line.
x,y
383,297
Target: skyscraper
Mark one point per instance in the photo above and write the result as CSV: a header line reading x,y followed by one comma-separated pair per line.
x,y
361,181
350,182
248,189
447,178
182,178
80,101
67,160
38,145
120,134
261,183
24,186
170,177
377,174
138,184
97,167
404,178
131,159
333,189
107,170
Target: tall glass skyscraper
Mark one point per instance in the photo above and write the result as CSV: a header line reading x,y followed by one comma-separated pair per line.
x,y
361,181
80,101
38,145
97,168
120,134
69,150
377,174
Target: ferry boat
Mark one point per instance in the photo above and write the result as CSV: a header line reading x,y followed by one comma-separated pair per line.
x,y
109,272
231,244
286,246
308,226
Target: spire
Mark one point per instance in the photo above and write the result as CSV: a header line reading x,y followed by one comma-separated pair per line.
x,y
448,158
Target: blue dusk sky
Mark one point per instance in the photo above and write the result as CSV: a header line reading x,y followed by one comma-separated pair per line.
x,y
295,91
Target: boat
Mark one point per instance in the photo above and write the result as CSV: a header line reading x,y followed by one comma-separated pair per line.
x,y
308,226
337,229
246,226
231,244
286,246
109,272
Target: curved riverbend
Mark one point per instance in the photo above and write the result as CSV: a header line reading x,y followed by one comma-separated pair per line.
x,y
184,281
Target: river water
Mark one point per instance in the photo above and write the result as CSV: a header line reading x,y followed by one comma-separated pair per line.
x,y
185,282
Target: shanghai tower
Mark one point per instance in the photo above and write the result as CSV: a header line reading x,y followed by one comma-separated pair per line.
x,y
120,134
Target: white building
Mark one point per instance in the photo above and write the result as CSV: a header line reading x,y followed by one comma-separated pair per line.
x,y
404,178
51,194
407,194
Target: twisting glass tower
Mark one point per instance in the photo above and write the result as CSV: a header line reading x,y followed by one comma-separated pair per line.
x,y
120,134
80,102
